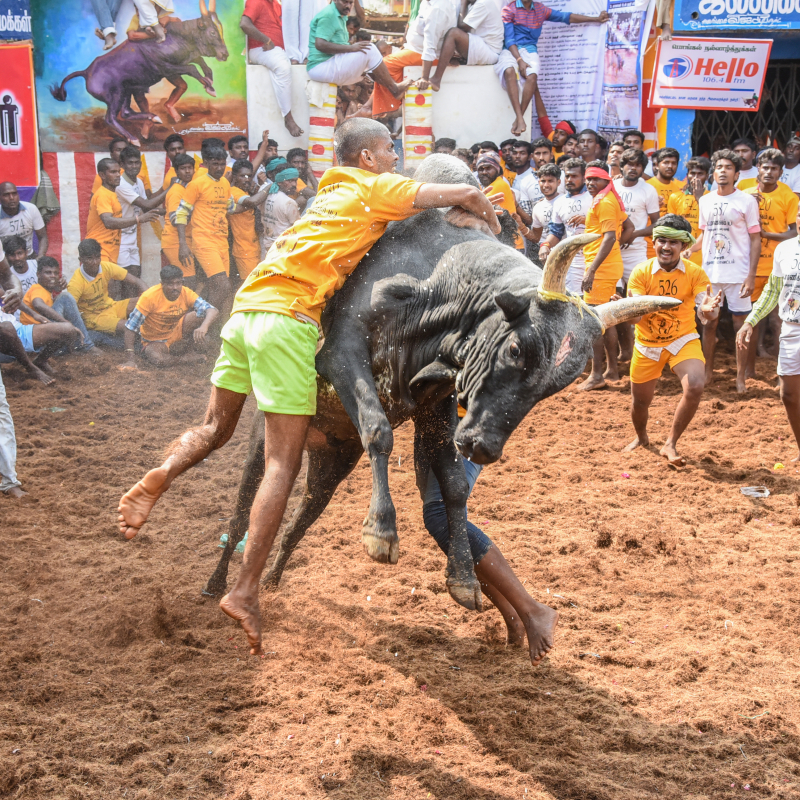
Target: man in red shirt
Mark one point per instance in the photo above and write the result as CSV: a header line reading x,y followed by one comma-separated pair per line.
x,y
261,22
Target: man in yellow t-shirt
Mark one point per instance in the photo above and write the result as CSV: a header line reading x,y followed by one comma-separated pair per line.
x,y
105,221
665,166
686,203
269,343
170,319
670,337
246,245
183,166
208,200
490,175
606,218
89,287
777,209
174,147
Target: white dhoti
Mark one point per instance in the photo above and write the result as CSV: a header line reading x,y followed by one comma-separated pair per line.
x,y
344,69
296,24
506,60
280,72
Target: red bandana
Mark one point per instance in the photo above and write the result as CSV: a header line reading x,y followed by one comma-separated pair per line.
x,y
596,172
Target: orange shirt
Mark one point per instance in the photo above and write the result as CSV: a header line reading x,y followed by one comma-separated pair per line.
x,y
777,210
311,260
604,216
36,292
243,228
684,283
162,315
686,206
104,201
169,238
198,170
509,203
209,202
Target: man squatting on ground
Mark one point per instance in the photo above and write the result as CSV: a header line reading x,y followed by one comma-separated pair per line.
x,y
270,341
730,238
670,337
782,290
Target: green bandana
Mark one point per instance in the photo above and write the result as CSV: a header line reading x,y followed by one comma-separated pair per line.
x,y
665,232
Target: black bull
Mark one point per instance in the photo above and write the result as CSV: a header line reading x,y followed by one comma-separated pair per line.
x,y
432,312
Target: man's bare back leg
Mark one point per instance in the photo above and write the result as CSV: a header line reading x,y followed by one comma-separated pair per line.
x,y
284,442
538,620
692,376
641,398
709,335
224,408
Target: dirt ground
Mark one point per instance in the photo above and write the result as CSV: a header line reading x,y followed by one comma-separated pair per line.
x,y
675,672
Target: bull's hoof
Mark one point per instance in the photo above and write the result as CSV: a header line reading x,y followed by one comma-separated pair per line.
x,y
384,548
271,581
466,593
215,589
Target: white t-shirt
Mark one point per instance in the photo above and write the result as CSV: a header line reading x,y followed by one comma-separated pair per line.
x,y
727,223
564,209
426,33
29,277
640,202
791,177
786,265
542,213
280,212
485,20
23,223
127,193
526,190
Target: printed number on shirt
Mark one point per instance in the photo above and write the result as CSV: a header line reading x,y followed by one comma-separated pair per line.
x,y
667,288
719,209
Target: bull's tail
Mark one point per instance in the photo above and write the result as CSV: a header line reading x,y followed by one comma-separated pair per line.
x,y
59,92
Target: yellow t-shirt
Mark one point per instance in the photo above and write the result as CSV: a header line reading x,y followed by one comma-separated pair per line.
x,y
209,201
663,327
301,184
162,315
169,238
243,228
509,203
92,295
664,191
686,206
777,210
604,216
36,292
104,201
198,170
311,260
747,183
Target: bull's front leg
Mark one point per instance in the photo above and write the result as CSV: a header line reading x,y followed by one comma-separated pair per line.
x,y
433,444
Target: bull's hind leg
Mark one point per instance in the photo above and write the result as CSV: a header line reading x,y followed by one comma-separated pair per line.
x,y
251,479
434,449
354,384
327,468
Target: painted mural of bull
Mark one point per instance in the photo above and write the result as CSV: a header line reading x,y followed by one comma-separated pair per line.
x,y
433,312
130,69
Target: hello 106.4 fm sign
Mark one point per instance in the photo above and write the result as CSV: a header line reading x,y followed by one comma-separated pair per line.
x,y
711,74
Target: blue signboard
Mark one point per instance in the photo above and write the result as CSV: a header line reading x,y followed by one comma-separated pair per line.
x,y
15,19
700,15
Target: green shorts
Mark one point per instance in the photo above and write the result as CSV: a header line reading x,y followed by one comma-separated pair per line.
x,y
271,355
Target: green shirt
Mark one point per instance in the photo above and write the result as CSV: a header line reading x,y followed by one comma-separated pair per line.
x,y
329,25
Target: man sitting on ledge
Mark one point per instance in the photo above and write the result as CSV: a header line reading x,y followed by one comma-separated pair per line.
x,y
332,59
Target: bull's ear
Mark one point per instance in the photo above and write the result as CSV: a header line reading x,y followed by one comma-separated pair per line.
x,y
514,304
435,381
391,292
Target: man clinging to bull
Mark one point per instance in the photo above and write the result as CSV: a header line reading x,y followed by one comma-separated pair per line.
x,y
269,343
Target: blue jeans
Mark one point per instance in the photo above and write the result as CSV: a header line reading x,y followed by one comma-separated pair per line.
x,y
434,514
66,305
106,13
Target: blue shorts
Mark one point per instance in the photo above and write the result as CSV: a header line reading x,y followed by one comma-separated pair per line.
x,y
25,333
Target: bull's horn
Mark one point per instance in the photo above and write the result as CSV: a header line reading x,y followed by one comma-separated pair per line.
x,y
203,9
554,278
212,6
630,307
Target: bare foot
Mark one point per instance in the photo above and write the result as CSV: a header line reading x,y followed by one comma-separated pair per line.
x,y
291,126
45,366
40,375
99,34
540,625
671,454
762,352
741,384
519,126
610,376
592,382
639,441
515,631
626,355
137,503
401,87
245,611
750,375
709,377
15,492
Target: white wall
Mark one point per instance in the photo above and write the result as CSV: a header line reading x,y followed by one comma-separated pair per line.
x,y
471,107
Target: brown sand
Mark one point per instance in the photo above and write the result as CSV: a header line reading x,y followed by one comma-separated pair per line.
x,y
675,673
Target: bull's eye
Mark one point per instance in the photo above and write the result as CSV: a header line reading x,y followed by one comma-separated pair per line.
x,y
514,350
